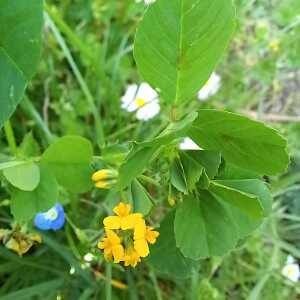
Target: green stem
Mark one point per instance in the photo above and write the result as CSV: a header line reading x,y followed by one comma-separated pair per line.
x,y
156,286
9,133
80,79
108,275
29,109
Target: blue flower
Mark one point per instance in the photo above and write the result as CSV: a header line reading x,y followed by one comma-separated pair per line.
x,y
53,219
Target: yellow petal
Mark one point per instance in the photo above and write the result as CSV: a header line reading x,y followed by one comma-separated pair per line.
x,y
99,175
141,247
130,221
139,230
118,253
102,185
112,222
151,235
113,238
122,209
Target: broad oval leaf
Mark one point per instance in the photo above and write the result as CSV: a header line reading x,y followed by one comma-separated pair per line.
x,y
247,203
243,142
178,44
25,177
24,205
70,158
165,257
20,44
204,227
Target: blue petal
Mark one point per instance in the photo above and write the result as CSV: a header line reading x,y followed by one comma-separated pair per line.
x,y
59,222
41,222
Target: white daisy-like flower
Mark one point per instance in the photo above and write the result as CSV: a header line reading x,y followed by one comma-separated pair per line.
x,y
291,270
210,88
188,144
141,99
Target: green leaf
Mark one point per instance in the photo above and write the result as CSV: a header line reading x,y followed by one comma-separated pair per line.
x,y
247,203
135,163
204,227
20,45
29,146
192,168
255,187
140,198
142,153
165,257
177,176
178,44
245,224
210,160
25,177
70,158
243,142
24,205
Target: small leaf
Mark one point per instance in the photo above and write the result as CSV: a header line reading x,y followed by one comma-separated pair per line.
x,y
243,142
25,177
140,198
204,227
247,203
70,158
179,43
20,30
192,169
177,176
24,205
165,257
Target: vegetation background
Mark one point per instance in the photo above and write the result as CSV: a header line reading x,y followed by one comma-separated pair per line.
x,y
87,56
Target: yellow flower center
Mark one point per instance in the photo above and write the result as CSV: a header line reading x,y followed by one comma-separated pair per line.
x,y
140,102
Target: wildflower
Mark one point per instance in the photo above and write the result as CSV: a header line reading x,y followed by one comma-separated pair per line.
x,y
211,87
53,219
111,244
104,178
291,269
141,99
89,257
131,258
123,219
188,144
128,232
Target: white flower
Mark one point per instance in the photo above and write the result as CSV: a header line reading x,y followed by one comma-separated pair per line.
x,y
211,87
291,270
188,144
88,257
141,99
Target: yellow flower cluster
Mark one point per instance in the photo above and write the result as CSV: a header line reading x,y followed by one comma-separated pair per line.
x,y
126,236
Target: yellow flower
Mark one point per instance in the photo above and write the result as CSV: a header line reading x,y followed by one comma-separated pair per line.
x,y
151,235
105,178
127,236
142,236
131,258
112,246
123,220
